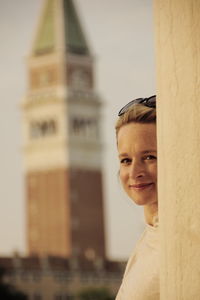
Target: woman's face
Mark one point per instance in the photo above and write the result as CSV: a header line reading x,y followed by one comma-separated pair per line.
x,y
138,162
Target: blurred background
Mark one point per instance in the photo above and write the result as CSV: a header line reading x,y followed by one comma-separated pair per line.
x,y
120,36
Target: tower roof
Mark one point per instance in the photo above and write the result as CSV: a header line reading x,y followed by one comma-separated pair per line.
x,y
74,37
45,38
50,28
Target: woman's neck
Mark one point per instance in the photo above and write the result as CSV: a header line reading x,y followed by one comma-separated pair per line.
x,y
150,213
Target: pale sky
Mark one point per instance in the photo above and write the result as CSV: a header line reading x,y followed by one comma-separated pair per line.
x,y
120,35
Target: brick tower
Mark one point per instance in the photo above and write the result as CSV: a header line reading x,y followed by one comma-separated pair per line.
x,y
62,142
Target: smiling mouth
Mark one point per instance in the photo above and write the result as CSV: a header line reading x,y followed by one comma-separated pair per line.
x,y
141,186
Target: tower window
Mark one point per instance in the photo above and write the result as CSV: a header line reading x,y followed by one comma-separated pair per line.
x,y
43,128
86,127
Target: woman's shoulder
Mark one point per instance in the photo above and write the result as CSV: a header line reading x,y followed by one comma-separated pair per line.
x,y
141,277
145,246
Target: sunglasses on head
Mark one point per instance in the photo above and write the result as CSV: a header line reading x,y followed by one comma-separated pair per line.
x,y
150,102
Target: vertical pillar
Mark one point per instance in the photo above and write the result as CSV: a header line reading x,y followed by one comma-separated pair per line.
x,y
177,28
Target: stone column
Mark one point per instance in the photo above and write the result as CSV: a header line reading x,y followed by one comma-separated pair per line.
x,y
177,35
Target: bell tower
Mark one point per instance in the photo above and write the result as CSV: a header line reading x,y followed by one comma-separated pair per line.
x,y
62,140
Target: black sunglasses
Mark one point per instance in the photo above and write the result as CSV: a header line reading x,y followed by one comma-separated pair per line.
x,y
150,102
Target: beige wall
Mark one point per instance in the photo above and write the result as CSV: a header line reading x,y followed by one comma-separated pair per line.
x,y
177,24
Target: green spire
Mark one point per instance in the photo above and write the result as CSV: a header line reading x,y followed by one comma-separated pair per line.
x,y
46,36
74,37
45,39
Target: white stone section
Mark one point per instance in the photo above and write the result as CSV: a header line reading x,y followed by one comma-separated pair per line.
x,y
85,157
65,148
45,111
45,151
85,141
44,156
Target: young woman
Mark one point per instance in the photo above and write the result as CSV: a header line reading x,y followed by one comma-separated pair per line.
x,y
137,148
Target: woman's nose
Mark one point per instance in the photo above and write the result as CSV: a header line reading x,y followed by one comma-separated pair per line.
x,y
136,170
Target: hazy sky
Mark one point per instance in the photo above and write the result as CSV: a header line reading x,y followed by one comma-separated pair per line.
x,y
120,35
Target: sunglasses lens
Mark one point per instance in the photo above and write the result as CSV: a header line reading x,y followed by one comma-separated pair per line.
x,y
150,102
126,107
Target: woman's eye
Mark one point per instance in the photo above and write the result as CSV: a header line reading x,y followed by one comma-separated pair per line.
x,y
125,161
150,157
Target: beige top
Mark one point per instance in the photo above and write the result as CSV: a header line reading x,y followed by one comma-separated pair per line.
x,y
141,277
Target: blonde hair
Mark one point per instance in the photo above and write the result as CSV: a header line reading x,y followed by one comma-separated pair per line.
x,y
137,113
